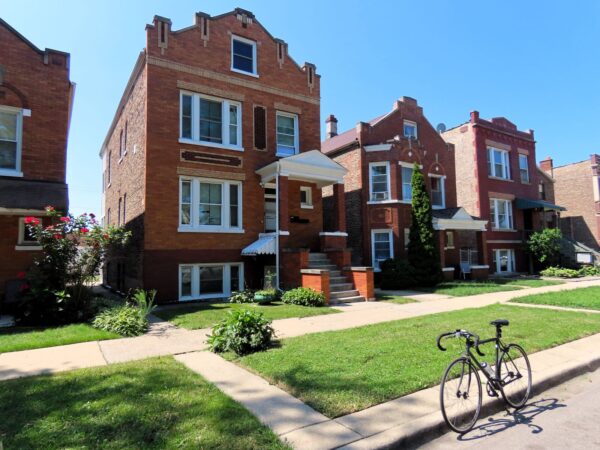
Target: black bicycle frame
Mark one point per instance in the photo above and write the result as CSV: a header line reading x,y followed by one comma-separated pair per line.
x,y
498,347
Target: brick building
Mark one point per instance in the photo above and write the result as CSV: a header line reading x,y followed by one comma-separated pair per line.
x,y
36,99
380,156
577,188
497,178
208,160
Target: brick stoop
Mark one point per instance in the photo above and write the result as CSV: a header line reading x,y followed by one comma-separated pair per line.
x,y
341,290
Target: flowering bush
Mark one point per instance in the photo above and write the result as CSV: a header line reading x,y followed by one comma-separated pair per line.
x,y
56,288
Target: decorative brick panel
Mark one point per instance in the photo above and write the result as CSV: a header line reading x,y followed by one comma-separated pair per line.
x,y
317,280
363,279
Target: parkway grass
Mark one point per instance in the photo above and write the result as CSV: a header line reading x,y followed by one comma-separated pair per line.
x,y
345,371
585,298
464,288
152,404
204,315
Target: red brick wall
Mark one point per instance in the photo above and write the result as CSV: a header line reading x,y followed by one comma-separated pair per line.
x,y
318,281
12,261
363,279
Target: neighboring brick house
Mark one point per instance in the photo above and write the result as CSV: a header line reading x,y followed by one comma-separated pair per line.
x,y
577,187
36,99
497,179
380,156
208,161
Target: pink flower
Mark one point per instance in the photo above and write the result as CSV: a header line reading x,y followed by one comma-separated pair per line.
x,y
32,221
65,219
92,215
21,275
24,287
84,230
57,236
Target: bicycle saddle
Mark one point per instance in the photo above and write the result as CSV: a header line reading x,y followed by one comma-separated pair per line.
x,y
499,323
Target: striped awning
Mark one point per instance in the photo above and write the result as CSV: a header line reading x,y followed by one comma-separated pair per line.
x,y
265,245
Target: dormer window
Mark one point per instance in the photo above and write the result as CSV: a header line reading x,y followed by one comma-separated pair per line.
x,y
243,55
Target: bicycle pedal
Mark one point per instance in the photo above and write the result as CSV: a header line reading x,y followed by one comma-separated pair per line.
x,y
491,391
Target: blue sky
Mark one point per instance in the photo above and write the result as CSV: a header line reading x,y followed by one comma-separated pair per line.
x,y
537,63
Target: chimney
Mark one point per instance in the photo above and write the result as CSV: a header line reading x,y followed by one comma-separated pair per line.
x,y
474,116
547,166
331,124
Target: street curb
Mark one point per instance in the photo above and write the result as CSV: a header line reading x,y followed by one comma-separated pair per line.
x,y
424,429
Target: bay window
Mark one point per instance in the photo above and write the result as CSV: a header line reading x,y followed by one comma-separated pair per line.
x,y
210,121
287,134
498,163
10,141
501,216
381,247
210,205
379,180
208,281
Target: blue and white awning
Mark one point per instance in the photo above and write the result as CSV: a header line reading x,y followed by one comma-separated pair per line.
x,y
265,245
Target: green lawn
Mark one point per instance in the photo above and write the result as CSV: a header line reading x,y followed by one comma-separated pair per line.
x,y
464,288
152,404
394,299
586,298
349,370
204,315
26,338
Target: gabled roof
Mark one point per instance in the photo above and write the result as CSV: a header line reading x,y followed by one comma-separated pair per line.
x,y
347,137
456,219
27,41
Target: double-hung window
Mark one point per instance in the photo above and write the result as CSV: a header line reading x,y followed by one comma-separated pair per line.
x,y
379,176
498,163
410,129
437,191
210,205
381,246
524,168
243,55
407,173
501,216
11,120
210,121
287,134
204,281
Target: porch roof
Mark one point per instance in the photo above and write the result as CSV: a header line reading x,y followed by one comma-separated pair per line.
x,y
529,203
456,219
312,166
265,245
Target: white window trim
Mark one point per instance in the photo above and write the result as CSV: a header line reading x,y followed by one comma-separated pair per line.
x,y
196,294
511,260
509,210
505,163
443,186
309,200
254,72
448,246
22,245
521,155
389,231
389,198
16,172
194,227
195,139
414,124
296,135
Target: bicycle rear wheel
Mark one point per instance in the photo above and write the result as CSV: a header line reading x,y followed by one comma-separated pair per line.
x,y
515,376
460,395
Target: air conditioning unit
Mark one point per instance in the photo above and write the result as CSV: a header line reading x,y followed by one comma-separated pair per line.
x,y
377,196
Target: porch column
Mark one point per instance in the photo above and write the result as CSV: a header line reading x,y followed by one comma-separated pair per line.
x,y
482,248
339,204
283,195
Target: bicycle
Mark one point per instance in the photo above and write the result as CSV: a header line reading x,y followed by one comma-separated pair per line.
x,y
460,391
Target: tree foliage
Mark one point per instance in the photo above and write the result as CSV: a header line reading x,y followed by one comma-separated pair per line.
x,y
545,246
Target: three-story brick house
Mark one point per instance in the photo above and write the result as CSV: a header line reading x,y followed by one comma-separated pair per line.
x,y
36,98
208,161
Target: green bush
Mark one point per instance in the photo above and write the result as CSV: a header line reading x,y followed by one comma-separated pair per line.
x,y
144,301
589,271
246,296
242,332
545,246
125,320
397,274
304,297
560,272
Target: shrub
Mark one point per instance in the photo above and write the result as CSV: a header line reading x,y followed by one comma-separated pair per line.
x,y
144,301
589,271
560,272
126,320
304,297
397,274
242,332
245,296
545,245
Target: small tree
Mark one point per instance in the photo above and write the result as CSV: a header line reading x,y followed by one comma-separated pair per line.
x,y
423,252
545,245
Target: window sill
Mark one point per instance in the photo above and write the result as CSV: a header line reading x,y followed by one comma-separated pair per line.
x,y
243,72
28,248
438,206
384,202
285,155
505,230
10,173
307,207
449,248
204,297
501,179
209,230
211,144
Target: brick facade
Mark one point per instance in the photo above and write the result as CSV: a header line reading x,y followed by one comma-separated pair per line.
x,y
35,88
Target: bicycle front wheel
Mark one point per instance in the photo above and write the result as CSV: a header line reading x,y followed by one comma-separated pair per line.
x,y
515,376
460,395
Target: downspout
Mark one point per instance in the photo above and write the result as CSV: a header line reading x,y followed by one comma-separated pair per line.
x,y
277,227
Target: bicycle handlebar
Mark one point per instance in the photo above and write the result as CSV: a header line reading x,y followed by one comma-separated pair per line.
x,y
460,333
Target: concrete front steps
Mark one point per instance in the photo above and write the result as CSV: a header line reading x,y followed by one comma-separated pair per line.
x,y
341,290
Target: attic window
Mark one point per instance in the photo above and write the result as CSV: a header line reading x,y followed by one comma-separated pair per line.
x,y
204,27
243,55
163,37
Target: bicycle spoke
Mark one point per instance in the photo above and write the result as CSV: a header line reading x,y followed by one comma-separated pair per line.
x,y
515,374
460,396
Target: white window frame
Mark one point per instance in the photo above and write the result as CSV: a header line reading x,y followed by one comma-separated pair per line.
x,y
505,163
18,112
409,182
526,169
410,123
196,294
309,201
511,260
388,193
194,226
442,179
296,134
254,72
195,139
22,244
390,232
509,212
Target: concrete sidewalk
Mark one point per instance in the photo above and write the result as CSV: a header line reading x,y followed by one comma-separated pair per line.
x,y
404,421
